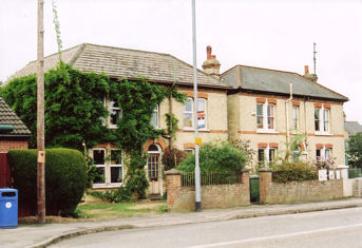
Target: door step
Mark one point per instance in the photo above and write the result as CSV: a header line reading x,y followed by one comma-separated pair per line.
x,y
154,197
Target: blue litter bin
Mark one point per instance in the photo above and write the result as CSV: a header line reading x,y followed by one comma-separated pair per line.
x,y
8,208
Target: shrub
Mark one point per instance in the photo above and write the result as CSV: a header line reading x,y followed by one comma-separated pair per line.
x,y
66,178
216,157
293,171
172,158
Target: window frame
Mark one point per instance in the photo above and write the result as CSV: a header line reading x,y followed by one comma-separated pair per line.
x,y
295,117
111,108
269,155
266,106
192,113
107,166
156,113
323,121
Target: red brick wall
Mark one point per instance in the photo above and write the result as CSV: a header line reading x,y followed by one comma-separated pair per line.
x,y
6,145
4,170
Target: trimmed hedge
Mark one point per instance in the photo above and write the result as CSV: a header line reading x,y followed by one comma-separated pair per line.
x,y
66,179
294,171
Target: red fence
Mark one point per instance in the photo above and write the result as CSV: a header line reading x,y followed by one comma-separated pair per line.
x,y
4,171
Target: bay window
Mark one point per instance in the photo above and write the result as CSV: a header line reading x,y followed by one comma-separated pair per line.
x,y
188,115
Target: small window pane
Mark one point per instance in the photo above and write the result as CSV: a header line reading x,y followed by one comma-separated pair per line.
x,y
154,118
272,155
116,157
328,154
188,120
295,118
259,116
115,112
188,105
316,119
100,176
318,154
98,156
326,120
261,156
116,174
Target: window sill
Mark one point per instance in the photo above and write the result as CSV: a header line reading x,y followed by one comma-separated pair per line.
x,y
106,185
270,131
322,134
193,130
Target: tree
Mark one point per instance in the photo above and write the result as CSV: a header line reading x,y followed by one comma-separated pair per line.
x,y
355,150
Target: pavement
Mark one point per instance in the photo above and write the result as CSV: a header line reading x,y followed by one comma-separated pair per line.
x,y
36,236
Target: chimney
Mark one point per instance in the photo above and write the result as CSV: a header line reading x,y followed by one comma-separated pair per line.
x,y
307,75
211,65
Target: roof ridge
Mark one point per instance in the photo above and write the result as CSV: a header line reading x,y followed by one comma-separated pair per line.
x,y
269,69
126,49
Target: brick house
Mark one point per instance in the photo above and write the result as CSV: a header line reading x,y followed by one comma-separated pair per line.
x,y
258,107
13,135
159,68
244,102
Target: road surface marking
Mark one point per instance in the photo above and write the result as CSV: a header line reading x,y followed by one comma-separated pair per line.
x,y
279,236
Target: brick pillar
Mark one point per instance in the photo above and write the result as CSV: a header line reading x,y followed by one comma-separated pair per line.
x,y
245,180
173,184
265,180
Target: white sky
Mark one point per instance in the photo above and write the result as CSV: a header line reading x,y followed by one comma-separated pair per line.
x,y
274,34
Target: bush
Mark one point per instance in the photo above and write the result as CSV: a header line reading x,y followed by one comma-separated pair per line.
x,y
216,157
293,171
66,178
171,158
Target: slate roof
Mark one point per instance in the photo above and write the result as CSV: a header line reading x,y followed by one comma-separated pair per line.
x,y
126,63
352,127
275,81
8,116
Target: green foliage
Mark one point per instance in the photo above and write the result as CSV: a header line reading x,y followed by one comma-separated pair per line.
x,y
172,125
74,106
216,157
171,158
75,113
293,171
355,150
66,178
121,194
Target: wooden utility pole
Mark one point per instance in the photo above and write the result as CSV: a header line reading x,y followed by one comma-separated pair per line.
x,y
40,116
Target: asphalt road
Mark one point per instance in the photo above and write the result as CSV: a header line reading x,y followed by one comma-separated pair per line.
x,y
327,229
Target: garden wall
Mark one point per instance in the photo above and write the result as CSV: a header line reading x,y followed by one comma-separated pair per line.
x,y
182,198
295,192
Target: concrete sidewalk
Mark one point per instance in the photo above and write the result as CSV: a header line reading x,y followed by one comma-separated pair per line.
x,y
43,235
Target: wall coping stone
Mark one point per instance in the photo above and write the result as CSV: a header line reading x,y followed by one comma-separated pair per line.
x,y
173,172
265,170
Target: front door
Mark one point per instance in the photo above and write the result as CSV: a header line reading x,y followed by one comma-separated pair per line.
x,y
153,169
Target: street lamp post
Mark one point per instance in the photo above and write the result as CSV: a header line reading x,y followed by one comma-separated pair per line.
x,y
196,127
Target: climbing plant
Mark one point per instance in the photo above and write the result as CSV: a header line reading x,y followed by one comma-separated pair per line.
x,y
75,113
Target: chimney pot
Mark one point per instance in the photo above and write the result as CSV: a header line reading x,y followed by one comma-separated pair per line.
x,y
306,69
208,52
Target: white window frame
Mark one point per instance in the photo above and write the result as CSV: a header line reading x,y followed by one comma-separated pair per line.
x,y
115,166
326,153
205,100
266,117
266,154
295,118
110,110
156,112
324,123
107,169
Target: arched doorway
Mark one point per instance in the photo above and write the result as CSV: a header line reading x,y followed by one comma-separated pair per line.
x,y
153,169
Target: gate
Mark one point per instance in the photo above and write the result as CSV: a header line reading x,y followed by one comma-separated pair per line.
x,y
4,170
254,189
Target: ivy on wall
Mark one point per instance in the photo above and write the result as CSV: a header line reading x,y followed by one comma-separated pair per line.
x,y
74,110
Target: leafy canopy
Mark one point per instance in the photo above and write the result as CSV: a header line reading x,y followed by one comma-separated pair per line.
x,y
355,150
